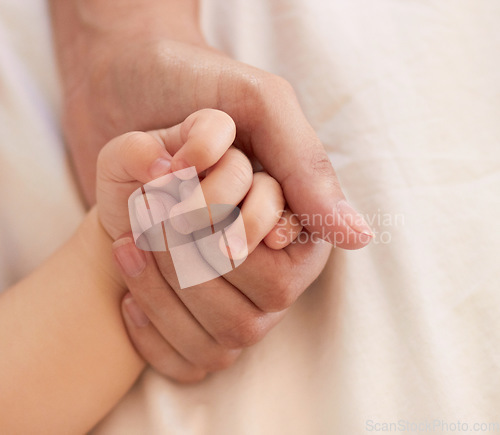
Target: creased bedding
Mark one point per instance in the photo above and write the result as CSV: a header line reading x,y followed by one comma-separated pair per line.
x,y
405,96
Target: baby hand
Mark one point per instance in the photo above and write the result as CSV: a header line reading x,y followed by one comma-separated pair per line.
x,y
204,140
207,324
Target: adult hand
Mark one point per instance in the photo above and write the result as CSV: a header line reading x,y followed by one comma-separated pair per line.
x,y
123,77
186,333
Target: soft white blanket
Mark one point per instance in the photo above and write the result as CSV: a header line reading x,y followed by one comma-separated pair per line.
x,y
406,97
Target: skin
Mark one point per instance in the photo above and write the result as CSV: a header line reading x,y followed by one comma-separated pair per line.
x,y
69,339
69,334
145,65
203,331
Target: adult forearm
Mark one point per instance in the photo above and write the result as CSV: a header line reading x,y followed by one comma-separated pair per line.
x,y
65,355
84,29
94,41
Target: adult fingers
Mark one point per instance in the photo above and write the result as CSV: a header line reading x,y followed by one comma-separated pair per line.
x,y
180,329
269,120
153,347
279,135
283,275
223,310
227,183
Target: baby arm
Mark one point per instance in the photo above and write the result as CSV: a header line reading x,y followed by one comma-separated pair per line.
x,y
66,357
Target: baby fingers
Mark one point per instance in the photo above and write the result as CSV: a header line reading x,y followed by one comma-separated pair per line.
x,y
227,182
201,140
134,156
261,212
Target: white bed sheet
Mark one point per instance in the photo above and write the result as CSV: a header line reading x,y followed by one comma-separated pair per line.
x,y
406,97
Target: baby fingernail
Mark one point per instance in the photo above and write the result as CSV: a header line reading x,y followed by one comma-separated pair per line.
x,y
135,313
353,219
131,260
160,166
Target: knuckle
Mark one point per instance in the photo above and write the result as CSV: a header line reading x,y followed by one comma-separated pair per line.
x,y
271,83
119,152
282,85
281,294
244,334
261,88
320,164
127,146
321,167
278,301
133,139
263,95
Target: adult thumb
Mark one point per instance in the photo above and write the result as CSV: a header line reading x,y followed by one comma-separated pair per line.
x,y
289,149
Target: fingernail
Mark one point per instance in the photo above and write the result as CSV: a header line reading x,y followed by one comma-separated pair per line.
x,y
160,166
135,313
131,260
353,219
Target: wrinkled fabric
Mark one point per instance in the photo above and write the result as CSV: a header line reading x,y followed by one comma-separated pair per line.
x,y
39,203
405,95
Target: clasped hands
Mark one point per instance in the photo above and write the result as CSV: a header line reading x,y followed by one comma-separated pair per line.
x,y
152,83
